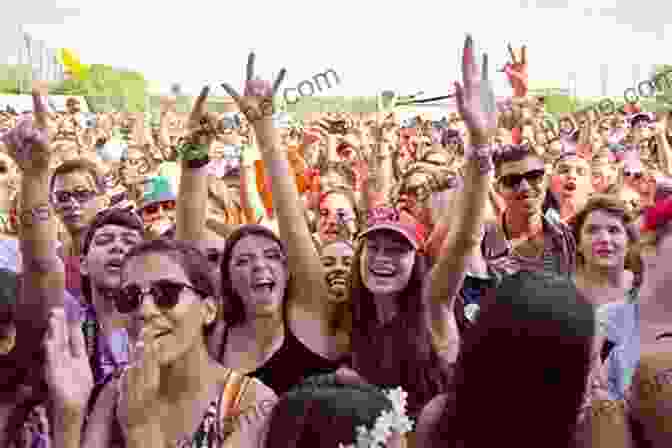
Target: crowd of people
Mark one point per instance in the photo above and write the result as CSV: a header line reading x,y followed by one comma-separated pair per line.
x,y
344,280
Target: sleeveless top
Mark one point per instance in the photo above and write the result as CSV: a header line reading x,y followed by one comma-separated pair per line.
x,y
225,408
290,364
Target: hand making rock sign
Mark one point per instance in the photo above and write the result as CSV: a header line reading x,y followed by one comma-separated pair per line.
x,y
257,101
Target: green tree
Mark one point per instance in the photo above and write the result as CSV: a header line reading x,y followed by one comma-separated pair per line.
x,y
662,80
560,104
15,79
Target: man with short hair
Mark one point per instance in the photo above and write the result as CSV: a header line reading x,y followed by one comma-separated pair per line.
x,y
111,235
77,190
523,238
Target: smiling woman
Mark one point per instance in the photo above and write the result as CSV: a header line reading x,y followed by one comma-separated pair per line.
x,y
169,296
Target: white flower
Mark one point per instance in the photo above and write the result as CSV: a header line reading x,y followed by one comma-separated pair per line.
x,y
394,420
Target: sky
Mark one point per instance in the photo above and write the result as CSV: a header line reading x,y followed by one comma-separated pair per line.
x,y
372,45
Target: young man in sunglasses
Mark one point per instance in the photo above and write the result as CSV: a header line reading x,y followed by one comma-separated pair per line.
x,y
523,238
77,194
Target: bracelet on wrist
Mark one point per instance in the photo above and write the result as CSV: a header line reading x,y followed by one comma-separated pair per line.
x,y
483,155
196,155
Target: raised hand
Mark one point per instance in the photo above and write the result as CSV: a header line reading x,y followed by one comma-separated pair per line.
x,y
476,98
516,71
257,102
201,125
139,385
28,142
67,372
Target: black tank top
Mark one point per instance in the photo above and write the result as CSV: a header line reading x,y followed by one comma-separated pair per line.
x,y
290,364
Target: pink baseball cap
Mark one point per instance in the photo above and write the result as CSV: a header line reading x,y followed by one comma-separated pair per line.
x,y
387,218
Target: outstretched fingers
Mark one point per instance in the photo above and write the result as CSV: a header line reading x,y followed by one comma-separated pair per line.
x,y
232,92
512,54
278,80
39,109
199,106
250,67
468,62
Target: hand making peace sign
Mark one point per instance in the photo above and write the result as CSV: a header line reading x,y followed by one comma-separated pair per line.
x,y
516,71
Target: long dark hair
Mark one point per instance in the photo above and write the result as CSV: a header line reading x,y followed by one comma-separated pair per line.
x,y
233,305
323,411
399,353
523,369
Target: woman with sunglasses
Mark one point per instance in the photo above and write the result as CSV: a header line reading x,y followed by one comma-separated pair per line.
x,y
169,390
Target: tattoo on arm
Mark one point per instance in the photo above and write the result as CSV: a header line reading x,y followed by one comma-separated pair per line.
x,y
39,213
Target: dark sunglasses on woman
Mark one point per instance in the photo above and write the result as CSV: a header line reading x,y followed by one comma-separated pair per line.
x,y
165,293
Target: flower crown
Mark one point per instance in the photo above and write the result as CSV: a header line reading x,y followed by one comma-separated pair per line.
x,y
395,420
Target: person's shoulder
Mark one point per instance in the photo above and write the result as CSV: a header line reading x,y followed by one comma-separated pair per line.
x,y
429,418
651,394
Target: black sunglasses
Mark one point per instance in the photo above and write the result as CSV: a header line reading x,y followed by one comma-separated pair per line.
x,y
513,180
166,294
635,174
81,196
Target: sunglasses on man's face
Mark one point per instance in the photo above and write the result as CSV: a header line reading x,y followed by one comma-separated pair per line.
x,y
636,175
81,196
513,181
165,293
153,209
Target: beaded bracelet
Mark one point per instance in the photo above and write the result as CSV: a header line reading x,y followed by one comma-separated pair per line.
x,y
482,154
197,155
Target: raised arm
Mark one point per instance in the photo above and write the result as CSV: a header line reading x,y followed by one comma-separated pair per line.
x,y
476,103
192,198
304,262
43,271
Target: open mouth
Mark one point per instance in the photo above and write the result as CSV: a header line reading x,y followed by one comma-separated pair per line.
x,y
113,266
570,187
264,286
382,271
337,281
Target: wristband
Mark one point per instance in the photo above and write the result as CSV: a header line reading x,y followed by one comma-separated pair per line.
x,y
482,154
196,155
